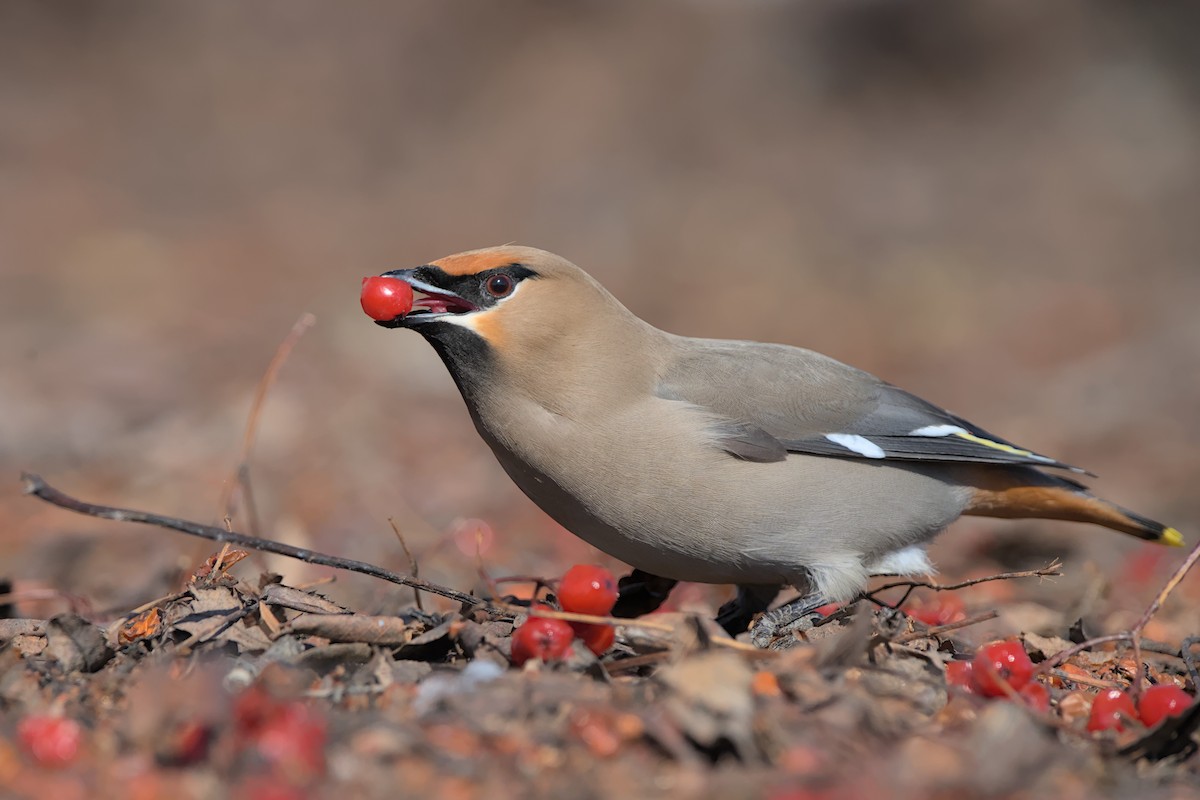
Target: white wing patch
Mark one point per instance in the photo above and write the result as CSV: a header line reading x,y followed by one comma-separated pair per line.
x,y
938,430
858,444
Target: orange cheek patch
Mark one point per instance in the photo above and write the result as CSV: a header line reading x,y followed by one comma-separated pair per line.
x,y
476,261
488,325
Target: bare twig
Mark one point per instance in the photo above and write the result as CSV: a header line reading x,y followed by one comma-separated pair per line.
x,y
310,585
1085,680
1054,569
481,571
241,475
39,488
170,598
952,626
1151,610
413,567
1063,655
572,616
219,563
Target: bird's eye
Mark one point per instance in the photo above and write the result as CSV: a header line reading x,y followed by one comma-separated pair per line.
x,y
499,285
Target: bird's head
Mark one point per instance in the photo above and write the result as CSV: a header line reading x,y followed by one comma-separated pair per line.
x,y
508,298
517,307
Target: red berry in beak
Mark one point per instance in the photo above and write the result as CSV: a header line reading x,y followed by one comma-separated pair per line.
x,y
384,298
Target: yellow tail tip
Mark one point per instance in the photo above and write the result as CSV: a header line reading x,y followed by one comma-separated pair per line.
x,y
1171,538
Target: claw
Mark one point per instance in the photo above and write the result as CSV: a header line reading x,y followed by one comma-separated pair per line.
x,y
775,629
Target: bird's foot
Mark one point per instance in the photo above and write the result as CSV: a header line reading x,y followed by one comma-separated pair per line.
x,y
640,593
774,629
736,615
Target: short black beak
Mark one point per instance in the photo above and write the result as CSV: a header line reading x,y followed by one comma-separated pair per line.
x,y
431,303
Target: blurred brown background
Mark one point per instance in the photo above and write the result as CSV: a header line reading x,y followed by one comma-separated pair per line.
x,y
994,204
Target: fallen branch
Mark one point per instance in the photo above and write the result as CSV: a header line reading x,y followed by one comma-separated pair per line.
x,y
37,487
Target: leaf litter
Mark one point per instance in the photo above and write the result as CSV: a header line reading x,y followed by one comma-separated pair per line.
x,y
241,684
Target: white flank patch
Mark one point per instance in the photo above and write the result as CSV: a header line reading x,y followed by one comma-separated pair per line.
x,y
937,430
911,560
859,444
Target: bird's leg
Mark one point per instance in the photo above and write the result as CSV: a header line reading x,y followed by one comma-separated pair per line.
x,y
789,617
736,615
640,593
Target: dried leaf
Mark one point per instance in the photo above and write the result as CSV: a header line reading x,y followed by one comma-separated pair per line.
x,y
1075,707
277,594
76,644
144,626
711,699
227,557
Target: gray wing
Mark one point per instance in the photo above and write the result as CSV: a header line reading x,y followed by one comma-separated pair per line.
x,y
770,400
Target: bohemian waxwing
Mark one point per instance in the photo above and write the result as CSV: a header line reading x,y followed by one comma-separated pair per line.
x,y
761,465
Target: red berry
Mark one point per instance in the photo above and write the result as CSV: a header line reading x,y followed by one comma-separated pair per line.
x,y
588,589
252,709
1036,696
294,738
541,638
1162,701
961,675
52,741
942,610
598,638
999,664
188,743
287,733
385,298
1111,709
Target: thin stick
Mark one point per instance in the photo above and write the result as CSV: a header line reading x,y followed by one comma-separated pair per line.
x,y
241,474
1054,569
34,485
216,567
952,626
1151,610
1084,680
314,584
1063,655
413,567
160,601
593,619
